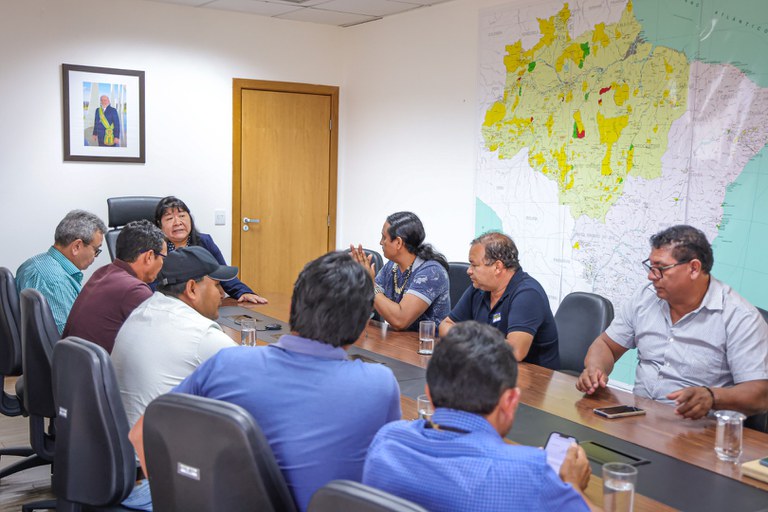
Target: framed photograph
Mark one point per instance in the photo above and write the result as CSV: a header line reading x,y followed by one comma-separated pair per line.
x,y
103,114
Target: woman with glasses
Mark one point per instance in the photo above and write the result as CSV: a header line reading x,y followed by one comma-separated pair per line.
x,y
175,220
413,285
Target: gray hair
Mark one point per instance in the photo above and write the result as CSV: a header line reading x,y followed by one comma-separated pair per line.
x,y
78,224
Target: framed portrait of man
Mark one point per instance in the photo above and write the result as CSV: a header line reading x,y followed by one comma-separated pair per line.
x,y
103,114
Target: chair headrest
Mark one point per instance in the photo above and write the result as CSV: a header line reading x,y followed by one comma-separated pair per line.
x,y
123,210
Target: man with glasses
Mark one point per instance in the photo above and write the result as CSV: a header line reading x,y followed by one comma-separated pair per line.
x,y
115,290
700,345
57,273
504,296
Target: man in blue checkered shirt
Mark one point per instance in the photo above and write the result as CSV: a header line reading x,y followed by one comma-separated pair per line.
x,y
458,461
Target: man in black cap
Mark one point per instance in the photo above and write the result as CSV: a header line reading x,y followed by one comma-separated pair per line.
x,y
170,334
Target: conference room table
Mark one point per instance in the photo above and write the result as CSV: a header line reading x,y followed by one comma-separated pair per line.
x,y
676,461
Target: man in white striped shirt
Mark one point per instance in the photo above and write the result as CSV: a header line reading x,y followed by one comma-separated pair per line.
x,y
700,345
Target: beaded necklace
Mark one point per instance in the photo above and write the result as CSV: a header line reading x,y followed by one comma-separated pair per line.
x,y
406,275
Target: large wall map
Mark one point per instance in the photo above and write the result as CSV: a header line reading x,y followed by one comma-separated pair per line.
x,y
603,121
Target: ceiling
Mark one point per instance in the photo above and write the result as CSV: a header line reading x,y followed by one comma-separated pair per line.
x,y
342,13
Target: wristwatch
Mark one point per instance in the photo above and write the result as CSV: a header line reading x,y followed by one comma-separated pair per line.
x,y
377,289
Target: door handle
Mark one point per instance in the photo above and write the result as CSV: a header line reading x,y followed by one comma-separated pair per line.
x,y
247,221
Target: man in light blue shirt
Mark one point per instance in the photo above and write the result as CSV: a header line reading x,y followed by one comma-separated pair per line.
x,y
459,461
318,409
700,345
57,273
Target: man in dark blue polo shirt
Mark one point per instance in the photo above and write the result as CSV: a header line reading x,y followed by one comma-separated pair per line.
x,y
507,298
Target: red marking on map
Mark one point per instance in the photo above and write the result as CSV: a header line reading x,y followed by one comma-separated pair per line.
x,y
605,89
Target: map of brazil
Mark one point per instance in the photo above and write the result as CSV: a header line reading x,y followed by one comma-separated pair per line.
x,y
603,121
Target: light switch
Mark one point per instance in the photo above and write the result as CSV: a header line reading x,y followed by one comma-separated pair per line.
x,y
220,219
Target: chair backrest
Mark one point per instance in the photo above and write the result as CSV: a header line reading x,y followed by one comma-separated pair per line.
x,y
347,495
95,461
377,260
10,325
580,319
458,279
38,336
205,454
122,210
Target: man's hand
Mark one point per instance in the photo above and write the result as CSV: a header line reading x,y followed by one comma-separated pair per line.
x,y
692,403
252,297
94,137
117,141
358,254
591,379
575,469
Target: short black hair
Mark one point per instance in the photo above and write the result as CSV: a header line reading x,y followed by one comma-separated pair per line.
x,y
138,237
332,300
470,368
78,225
499,247
687,243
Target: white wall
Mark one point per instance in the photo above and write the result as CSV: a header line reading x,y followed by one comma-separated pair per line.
x,y
408,124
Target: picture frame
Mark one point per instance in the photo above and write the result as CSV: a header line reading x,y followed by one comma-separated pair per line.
x,y
103,114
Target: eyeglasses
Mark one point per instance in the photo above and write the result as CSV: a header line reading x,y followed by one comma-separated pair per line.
x,y
658,272
156,253
96,251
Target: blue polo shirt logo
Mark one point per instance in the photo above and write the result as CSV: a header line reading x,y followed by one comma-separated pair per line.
x,y
496,318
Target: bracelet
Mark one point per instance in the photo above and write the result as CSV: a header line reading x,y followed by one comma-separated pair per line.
x,y
712,394
377,289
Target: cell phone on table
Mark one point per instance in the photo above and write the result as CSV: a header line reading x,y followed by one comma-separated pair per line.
x,y
556,448
619,411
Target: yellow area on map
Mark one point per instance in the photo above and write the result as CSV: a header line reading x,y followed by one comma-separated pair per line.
x,y
591,110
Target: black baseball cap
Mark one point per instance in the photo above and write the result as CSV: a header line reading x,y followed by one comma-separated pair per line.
x,y
193,262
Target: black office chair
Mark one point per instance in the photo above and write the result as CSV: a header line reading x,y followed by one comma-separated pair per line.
x,y
580,319
376,259
759,421
38,336
459,280
122,210
347,495
10,366
95,461
207,455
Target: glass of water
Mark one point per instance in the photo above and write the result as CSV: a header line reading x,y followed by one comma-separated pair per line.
x,y
619,481
424,406
248,332
730,429
426,337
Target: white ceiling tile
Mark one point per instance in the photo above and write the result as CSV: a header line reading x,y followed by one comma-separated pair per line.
x,y
369,7
326,17
252,7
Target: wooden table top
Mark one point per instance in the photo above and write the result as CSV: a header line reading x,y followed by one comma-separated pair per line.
x,y
555,393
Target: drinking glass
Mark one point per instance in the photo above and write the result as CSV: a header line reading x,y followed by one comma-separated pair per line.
x,y
248,332
619,481
730,426
424,406
426,337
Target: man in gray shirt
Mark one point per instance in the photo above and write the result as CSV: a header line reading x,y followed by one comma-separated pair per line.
x,y
699,344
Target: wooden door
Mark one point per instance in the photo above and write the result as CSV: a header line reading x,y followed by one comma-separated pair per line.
x,y
284,178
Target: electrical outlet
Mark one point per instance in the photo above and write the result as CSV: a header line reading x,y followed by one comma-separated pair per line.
x,y
220,218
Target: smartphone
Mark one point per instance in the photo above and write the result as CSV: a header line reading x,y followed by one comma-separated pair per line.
x,y
764,461
239,318
619,411
556,448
